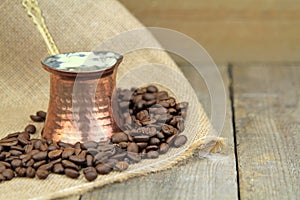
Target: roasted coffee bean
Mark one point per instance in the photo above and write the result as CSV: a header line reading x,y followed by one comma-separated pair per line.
x,y
67,152
44,147
53,162
36,118
103,168
77,159
89,160
38,164
93,151
71,173
100,157
152,148
111,162
142,115
180,126
90,144
9,142
6,164
2,167
142,145
47,166
16,163
42,173
154,141
15,152
37,144
119,156
11,135
30,129
29,163
163,148
182,105
9,159
64,145
141,138
180,141
2,156
123,145
33,152
152,154
69,164
161,95
165,104
171,139
30,172
17,147
152,89
119,137
90,173
54,154
28,148
8,174
21,171
135,157
58,168
52,147
133,147
167,129
160,135
121,166
40,156
41,114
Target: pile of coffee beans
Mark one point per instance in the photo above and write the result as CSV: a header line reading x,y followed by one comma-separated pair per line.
x,y
152,123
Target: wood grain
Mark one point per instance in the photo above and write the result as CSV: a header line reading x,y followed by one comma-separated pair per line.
x,y
266,102
211,178
232,30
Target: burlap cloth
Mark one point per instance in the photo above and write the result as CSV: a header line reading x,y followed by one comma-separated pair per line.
x,y
24,85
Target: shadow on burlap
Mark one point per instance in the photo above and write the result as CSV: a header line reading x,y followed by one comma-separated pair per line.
x,y
24,85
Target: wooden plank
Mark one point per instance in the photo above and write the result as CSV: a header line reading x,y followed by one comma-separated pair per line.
x,y
266,102
211,178
232,30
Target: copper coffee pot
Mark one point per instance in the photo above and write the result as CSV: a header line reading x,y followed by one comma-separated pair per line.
x,y
82,104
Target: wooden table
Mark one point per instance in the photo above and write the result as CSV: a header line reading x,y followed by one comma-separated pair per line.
x,y
262,159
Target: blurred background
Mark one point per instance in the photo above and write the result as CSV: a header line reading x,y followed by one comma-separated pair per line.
x,y
231,30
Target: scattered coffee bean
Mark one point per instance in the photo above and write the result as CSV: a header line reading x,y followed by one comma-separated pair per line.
x,y
71,173
152,154
103,168
40,156
42,173
121,166
163,148
58,168
54,154
90,173
180,141
21,171
41,114
30,172
133,147
119,137
36,118
8,174
30,129
69,164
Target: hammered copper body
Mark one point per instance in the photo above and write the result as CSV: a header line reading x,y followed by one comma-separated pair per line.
x,y
85,112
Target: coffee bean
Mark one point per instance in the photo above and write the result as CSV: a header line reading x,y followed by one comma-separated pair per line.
x,y
119,137
119,156
152,89
142,145
67,152
90,173
11,135
134,157
28,148
8,174
165,104
77,159
154,141
152,154
142,138
33,152
90,144
123,145
142,115
41,114
42,173
16,163
100,157
38,164
40,156
9,142
54,154
69,164
161,95
89,160
47,166
64,145
6,164
160,135
21,171
36,118
30,129
133,147
2,167
180,141
103,168
111,162
15,152
18,148
9,159
180,126
182,105
121,166
53,162
152,148
28,163
52,147
30,172
163,148
44,147
58,168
